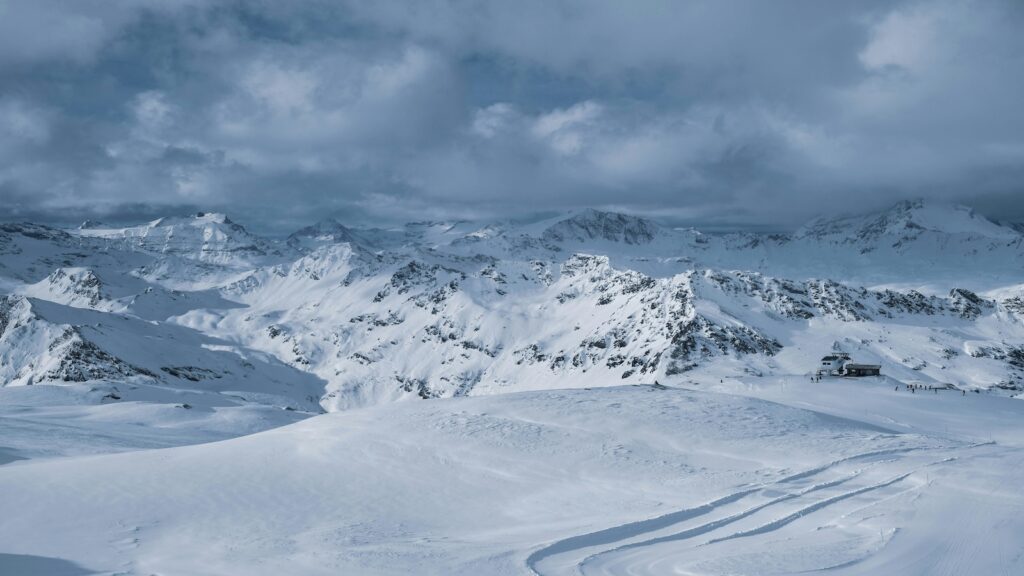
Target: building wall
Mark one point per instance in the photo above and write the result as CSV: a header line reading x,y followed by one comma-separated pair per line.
x,y
831,366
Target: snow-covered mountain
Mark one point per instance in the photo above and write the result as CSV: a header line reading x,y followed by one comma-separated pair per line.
x,y
592,225
205,236
913,242
460,343
931,292
44,342
905,223
204,249
328,231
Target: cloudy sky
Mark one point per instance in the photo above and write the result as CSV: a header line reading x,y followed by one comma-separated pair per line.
x,y
724,112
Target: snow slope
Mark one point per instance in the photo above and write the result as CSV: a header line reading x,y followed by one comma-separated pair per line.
x,y
923,242
446,309
377,327
621,480
206,236
161,391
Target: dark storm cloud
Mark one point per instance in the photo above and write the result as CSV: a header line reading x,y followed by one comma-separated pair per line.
x,y
733,113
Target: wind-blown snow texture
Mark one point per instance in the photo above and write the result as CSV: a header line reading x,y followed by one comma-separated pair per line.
x,y
186,330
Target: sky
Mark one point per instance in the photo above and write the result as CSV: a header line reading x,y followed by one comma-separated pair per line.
x,y
721,113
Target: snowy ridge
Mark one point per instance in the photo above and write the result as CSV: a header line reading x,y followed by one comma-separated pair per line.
x,y
74,286
328,231
205,237
450,309
596,225
907,221
43,342
926,242
459,326
34,350
460,343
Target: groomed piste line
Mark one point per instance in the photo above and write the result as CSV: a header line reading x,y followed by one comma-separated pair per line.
x,y
635,529
780,522
624,531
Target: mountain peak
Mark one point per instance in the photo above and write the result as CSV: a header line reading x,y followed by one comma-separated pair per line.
x,y
197,219
326,231
327,225
908,219
215,217
206,236
591,224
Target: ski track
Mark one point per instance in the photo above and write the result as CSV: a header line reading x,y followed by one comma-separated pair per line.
x,y
580,554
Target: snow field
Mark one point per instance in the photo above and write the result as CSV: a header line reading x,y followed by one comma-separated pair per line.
x,y
499,484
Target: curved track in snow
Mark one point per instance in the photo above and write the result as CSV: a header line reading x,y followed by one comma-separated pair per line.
x,y
815,519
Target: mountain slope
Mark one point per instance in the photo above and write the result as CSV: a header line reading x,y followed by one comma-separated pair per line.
x,y
43,342
448,309
636,479
380,329
206,237
592,225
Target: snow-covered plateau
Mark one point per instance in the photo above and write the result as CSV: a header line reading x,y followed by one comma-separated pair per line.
x,y
594,393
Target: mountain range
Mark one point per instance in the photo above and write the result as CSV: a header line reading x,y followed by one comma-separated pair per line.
x,y
335,317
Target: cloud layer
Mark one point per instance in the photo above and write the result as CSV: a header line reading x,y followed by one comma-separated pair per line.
x,y
725,112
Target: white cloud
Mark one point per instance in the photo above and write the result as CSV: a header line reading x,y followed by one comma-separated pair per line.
x,y
489,106
283,91
37,31
152,111
567,130
909,38
22,122
68,33
495,119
